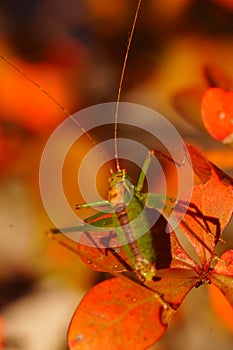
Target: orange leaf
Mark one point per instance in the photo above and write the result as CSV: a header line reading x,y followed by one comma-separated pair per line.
x,y
222,275
174,284
99,258
217,114
225,265
117,314
93,248
210,209
200,164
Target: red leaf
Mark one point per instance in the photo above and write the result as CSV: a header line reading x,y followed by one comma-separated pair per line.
x,y
93,248
118,314
180,259
99,258
225,265
222,278
217,114
210,209
200,164
222,275
174,284
205,169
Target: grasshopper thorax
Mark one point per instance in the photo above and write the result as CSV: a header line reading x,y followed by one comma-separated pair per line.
x,y
121,189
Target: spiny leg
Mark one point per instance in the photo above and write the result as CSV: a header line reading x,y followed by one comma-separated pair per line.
x,y
147,162
92,204
159,154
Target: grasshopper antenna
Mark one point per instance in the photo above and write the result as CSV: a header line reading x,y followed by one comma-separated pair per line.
x,y
20,71
121,83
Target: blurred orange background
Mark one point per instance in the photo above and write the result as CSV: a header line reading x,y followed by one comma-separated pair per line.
x,y
74,50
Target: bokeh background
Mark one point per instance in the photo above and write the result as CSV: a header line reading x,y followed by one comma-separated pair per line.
x,y
74,49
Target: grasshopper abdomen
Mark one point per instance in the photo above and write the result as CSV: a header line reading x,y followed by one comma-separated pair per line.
x,y
133,232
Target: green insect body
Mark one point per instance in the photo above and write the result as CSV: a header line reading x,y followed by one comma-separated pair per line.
x,y
133,234
127,203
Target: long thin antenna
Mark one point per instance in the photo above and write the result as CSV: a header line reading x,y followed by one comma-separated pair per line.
x,y
121,83
20,71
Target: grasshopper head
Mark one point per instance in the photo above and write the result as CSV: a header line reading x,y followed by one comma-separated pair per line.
x,y
121,188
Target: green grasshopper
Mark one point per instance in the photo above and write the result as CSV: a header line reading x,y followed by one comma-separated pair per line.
x,y
127,202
